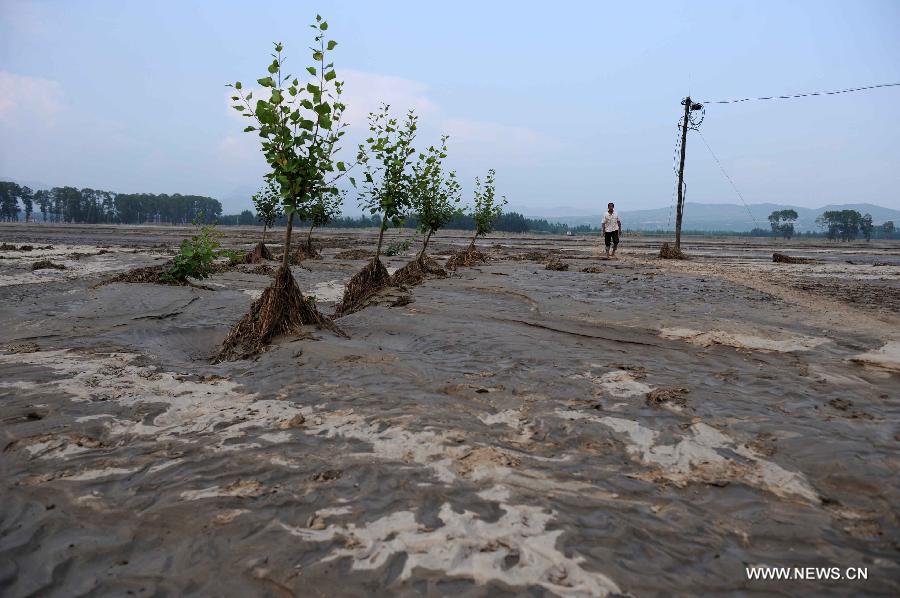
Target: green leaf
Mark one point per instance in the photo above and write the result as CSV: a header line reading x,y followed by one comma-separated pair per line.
x,y
312,70
237,85
352,181
248,129
266,82
331,45
273,68
324,26
318,55
276,97
330,75
341,166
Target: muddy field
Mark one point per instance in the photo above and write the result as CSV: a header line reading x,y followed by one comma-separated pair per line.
x,y
644,427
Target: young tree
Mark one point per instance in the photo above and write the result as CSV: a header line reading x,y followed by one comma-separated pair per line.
x,y
388,188
267,202
888,228
387,191
435,193
299,127
326,208
486,209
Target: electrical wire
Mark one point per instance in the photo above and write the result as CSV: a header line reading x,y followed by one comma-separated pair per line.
x,y
722,168
803,95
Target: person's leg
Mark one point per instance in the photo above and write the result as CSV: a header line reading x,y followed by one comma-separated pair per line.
x,y
607,238
615,242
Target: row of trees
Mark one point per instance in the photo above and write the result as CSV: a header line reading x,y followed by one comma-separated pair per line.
x,y
844,225
94,206
509,222
300,126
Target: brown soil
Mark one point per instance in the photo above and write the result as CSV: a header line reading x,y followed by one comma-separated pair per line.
x,y
362,287
281,309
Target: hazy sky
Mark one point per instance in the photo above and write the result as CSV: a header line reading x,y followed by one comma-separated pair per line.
x,y
574,103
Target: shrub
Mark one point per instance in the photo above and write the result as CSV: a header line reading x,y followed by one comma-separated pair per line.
x,y
195,259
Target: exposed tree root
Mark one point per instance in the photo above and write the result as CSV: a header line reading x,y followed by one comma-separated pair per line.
x,y
416,271
787,259
667,252
258,254
362,287
305,252
281,309
468,257
556,264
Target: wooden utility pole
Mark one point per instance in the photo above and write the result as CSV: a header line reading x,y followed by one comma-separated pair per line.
x,y
680,209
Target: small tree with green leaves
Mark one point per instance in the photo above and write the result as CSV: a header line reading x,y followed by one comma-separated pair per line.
x,y
299,126
387,190
888,228
436,193
267,202
326,208
388,181
487,208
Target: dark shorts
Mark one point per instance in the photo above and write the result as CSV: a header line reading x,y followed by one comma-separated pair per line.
x,y
612,237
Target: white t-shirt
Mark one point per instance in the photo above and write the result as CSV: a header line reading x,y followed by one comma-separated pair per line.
x,y
610,222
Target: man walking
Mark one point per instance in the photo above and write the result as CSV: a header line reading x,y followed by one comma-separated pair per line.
x,y
611,227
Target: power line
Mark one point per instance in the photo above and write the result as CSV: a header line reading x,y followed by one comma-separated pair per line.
x,y
803,95
722,168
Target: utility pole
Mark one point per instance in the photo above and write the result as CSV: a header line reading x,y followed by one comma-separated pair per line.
x,y
680,209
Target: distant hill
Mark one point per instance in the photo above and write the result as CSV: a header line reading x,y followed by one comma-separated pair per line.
x,y
726,217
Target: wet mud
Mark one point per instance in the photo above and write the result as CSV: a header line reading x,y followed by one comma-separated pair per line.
x,y
633,426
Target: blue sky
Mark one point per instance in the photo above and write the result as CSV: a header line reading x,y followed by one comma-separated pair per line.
x,y
574,103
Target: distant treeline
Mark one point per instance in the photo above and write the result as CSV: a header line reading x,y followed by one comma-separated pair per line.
x,y
509,222
94,206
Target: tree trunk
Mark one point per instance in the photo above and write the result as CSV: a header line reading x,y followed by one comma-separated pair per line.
x,y
264,235
309,238
424,246
472,243
380,237
285,258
